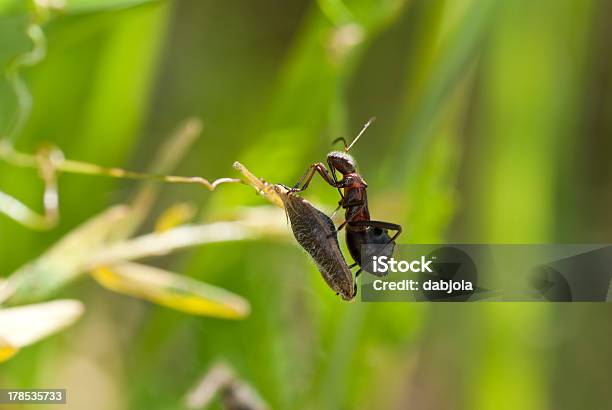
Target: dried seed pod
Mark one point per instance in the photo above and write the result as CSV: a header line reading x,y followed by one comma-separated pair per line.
x,y
316,233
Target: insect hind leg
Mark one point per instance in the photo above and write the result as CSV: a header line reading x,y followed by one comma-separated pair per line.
x,y
378,245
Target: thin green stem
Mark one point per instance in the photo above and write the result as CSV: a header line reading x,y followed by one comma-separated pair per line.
x,y
22,93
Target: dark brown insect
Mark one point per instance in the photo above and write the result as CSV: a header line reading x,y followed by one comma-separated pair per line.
x,y
316,233
360,229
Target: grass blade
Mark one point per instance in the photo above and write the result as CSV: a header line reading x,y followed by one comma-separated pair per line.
x,y
171,290
25,325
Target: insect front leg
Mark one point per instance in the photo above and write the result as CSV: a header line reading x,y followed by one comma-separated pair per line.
x,y
333,174
307,177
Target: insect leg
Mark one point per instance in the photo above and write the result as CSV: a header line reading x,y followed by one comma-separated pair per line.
x,y
333,174
342,225
348,221
336,210
381,225
307,177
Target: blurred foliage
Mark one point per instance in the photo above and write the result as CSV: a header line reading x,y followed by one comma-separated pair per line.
x,y
494,124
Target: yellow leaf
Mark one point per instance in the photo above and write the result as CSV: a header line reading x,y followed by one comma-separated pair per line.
x,y
174,216
64,261
171,290
6,350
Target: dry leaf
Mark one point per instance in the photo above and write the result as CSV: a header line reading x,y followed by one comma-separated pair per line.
x,y
24,325
172,290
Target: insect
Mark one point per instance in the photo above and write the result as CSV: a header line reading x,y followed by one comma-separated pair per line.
x,y
361,230
316,233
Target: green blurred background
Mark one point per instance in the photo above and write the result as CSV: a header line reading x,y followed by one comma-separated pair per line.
x,y
494,122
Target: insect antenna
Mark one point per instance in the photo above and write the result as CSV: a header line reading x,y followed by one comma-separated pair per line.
x,y
365,127
343,142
